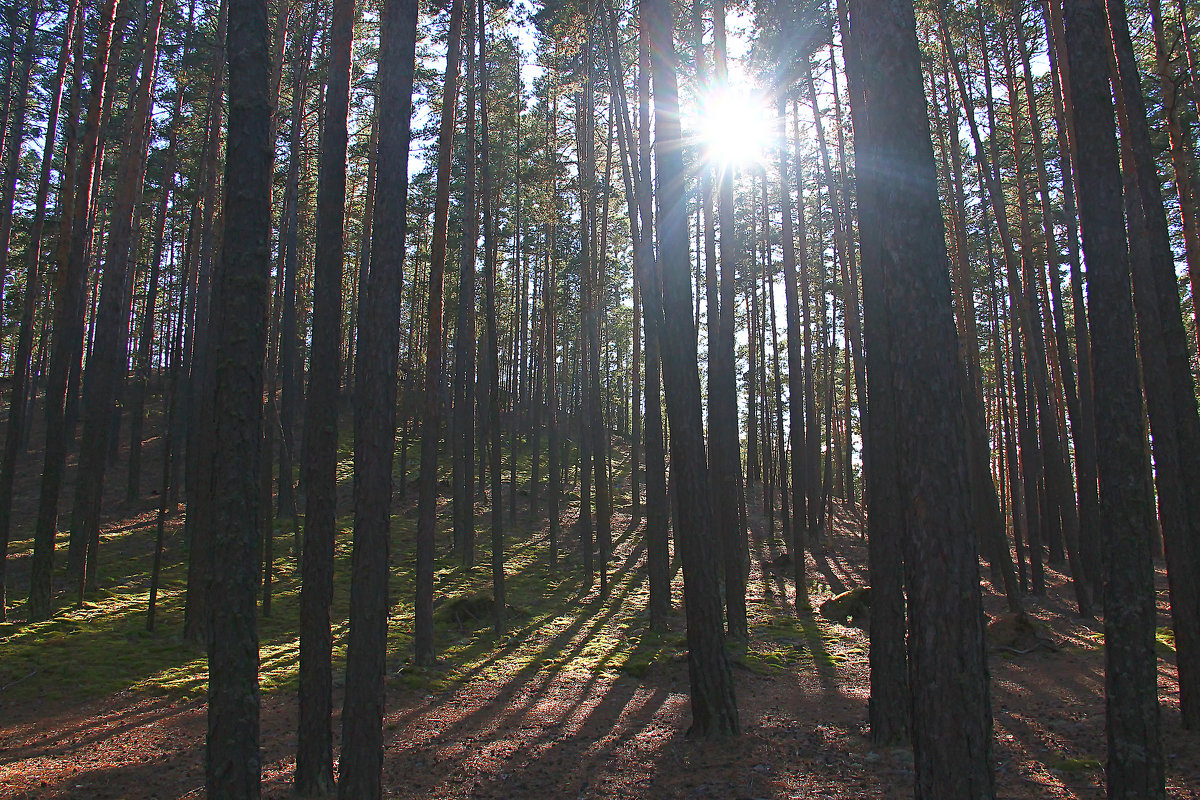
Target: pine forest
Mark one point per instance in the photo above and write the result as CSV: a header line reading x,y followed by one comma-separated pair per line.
x,y
599,399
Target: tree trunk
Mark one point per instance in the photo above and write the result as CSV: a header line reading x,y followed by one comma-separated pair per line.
x,y
797,545
289,344
464,337
714,709
431,417
42,561
12,155
1135,763
314,747
141,378
71,274
492,356
361,766
1170,389
239,345
908,300
198,523
107,363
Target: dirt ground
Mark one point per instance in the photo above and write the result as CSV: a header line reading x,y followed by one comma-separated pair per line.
x,y
539,730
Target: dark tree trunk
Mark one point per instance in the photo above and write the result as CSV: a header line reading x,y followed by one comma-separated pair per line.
x,y
1135,763
361,765
289,344
714,709
106,366
657,511
199,520
908,296
795,370
492,356
464,337
723,422
431,415
12,155
364,249
314,746
71,274
1170,390
239,345
141,376
43,546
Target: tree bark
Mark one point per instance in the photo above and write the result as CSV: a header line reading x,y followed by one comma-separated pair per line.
x,y
714,709
70,275
314,747
908,297
106,366
431,416
239,345
463,482
42,561
361,765
1135,763
1169,387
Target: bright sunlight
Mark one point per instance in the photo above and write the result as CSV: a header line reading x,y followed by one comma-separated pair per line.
x,y
733,126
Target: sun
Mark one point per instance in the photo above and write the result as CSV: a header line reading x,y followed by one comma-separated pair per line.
x,y
733,127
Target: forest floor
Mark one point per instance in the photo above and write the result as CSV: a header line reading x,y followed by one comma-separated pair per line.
x,y
575,700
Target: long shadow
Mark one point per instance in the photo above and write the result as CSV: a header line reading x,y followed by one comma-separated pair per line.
x,y
86,731
615,718
575,634
566,645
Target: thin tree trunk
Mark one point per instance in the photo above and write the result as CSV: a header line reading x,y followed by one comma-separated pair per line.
x,y
137,411
797,545
464,337
431,417
291,384
42,561
12,154
492,356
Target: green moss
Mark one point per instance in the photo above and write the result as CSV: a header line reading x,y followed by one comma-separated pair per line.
x,y
1164,641
1074,764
